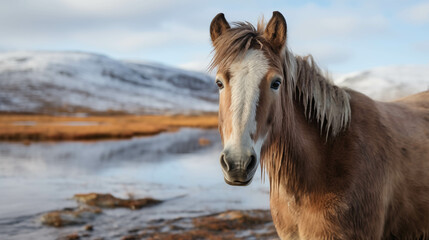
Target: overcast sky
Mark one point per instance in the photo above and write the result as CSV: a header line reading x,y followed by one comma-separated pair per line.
x,y
342,35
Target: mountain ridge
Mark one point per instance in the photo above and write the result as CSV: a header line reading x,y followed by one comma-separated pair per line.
x,y
73,82
388,83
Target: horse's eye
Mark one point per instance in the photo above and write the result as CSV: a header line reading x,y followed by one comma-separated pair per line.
x,y
276,84
219,84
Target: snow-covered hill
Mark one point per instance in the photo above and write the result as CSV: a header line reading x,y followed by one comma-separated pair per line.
x,y
73,82
76,82
388,83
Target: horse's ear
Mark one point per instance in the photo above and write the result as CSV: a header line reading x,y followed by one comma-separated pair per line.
x,y
218,26
276,30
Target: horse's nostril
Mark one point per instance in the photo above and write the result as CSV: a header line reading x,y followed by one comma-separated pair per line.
x,y
251,164
224,163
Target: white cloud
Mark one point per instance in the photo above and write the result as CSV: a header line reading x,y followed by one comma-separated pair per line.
x,y
418,13
325,54
112,8
422,47
315,22
176,32
132,40
120,27
199,65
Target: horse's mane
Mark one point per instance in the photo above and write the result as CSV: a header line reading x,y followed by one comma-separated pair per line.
x,y
322,100
305,83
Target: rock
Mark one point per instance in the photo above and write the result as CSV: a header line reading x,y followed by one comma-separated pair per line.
x,y
204,141
89,227
73,236
134,230
232,220
236,224
231,215
130,237
69,216
109,201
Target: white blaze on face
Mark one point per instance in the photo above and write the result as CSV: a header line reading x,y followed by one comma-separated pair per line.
x,y
246,76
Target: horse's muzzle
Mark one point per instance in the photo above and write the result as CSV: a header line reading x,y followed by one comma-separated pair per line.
x,y
238,169
239,183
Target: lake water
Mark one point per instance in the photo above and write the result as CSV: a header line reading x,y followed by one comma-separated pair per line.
x,y
43,177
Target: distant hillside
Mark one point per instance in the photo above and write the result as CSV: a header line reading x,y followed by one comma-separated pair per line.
x,y
75,82
388,83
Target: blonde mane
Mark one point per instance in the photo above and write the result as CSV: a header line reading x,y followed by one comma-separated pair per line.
x,y
323,101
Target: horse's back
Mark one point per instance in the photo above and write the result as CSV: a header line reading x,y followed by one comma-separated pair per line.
x,y
420,100
408,115
415,109
407,121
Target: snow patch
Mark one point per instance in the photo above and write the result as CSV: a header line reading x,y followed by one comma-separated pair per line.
x,y
56,82
388,83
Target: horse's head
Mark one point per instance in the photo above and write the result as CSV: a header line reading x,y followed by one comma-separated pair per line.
x,y
250,76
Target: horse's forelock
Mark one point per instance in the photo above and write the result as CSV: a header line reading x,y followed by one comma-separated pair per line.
x,y
235,42
302,75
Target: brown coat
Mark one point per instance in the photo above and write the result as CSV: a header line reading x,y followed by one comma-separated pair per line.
x,y
370,182
340,165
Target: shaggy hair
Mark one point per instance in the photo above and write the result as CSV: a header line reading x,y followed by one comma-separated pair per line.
x,y
323,101
368,180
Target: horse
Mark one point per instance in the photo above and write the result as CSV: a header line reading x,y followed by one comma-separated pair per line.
x,y
340,165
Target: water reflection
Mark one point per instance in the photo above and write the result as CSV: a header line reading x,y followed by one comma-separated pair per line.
x,y
170,166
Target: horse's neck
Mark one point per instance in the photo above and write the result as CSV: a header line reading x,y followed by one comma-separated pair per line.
x,y
308,147
297,149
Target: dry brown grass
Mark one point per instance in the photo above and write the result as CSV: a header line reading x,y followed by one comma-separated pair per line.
x,y
15,127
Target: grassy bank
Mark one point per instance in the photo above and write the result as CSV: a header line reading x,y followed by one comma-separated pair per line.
x,y
27,128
